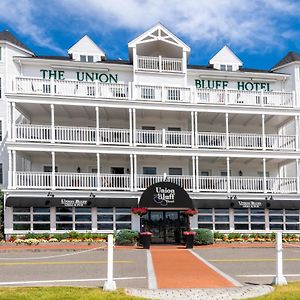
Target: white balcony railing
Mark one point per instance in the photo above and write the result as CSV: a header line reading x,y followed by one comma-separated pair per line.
x,y
161,64
116,182
155,93
162,138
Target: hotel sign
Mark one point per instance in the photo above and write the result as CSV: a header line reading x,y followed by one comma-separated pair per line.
x,y
239,85
74,203
249,204
81,76
165,195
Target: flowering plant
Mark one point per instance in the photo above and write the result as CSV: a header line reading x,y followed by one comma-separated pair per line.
x,y
139,211
190,212
146,233
189,233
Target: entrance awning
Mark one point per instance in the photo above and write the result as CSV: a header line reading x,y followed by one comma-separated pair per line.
x,y
70,202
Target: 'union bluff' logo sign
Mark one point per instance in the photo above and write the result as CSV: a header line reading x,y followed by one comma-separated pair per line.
x,y
164,196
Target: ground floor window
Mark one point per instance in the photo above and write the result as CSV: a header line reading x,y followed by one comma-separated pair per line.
x,y
213,218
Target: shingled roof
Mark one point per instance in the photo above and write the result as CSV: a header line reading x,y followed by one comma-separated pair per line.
x,y
5,35
290,57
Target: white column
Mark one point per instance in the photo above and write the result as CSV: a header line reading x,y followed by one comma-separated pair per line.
x,y
131,172
264,175
14,168
135,172
9,169
196,129
227,130
97,125
228,174
53,169
194,173
52,219
193,129
52,124
94,219
134,126
263,132
297,132
297,175
197,174
98,172
13,121
279,279
9,124
184,67
110,284
130,127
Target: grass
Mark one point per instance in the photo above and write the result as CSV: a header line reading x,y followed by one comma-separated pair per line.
x,y
285,292
61,293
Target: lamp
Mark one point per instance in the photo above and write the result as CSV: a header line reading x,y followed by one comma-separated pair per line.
x,y
78,170
50,194
92,195
240,173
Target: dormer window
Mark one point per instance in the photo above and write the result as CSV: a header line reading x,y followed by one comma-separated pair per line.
x,y
226,67
86,58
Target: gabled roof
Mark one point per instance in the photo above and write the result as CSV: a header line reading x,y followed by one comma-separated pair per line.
x,y
225,55
290,57
86,45
7,36
159,33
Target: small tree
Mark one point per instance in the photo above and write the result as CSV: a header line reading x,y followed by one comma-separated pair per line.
x,y
1,215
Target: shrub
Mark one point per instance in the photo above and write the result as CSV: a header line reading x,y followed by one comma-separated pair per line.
x,y
234,235
126,237
204,237
219,235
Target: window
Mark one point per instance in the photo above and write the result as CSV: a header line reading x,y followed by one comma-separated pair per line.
x,y
86,58
1,173
175,171
149,170
213,218
223,67
48,169
226,67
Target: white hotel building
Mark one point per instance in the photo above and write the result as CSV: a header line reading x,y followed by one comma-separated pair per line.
x,y
82,137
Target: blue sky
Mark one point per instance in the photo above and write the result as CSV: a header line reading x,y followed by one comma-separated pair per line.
x,y
260,32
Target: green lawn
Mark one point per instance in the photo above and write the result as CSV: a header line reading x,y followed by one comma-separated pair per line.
x,y
286,292
61,293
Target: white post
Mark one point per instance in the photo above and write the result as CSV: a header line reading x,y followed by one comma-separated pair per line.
x,y
194,173
13,122
279,279
297,132
196,130
228,175
297,175
263,132
9,123
193,128
14,168
227,130
164,137
97,125
264,176
131,172
130,127
197,174
134,172
134,126
110,284
53,169
52,124
98,173
9,169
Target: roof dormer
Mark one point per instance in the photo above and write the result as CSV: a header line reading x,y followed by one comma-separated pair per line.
x,y
85,50
158,49
226,60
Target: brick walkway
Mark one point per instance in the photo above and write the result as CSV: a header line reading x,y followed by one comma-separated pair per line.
x,y
179,268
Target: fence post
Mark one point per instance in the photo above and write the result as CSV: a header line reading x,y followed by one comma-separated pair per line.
x,y
279,279
110,284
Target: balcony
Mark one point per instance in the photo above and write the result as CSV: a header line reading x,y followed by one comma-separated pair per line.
x,y
150,93
125,182
157,138
159,64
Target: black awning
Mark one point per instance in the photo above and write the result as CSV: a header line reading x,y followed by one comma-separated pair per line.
x,y
70,202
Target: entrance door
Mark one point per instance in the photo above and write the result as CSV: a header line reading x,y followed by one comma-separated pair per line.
x,y
166,226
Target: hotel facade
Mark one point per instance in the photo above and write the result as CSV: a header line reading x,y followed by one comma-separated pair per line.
x,y
84,139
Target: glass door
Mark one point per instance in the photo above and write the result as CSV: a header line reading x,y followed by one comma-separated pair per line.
x,y
156,224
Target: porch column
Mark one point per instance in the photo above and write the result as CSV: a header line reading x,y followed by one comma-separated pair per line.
x,y
228,174
52,124
193,129
194,173
131,172
134,126
227,130
264,175
297,175
14,169
13,122
263,132
9,125
135,173
130,127
9,169
297,132
97,125
98,172
196,129
197,174
53,170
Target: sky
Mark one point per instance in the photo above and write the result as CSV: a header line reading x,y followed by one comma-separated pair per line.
x,y
260,32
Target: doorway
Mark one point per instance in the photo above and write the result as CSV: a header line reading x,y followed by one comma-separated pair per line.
x,y
166,226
